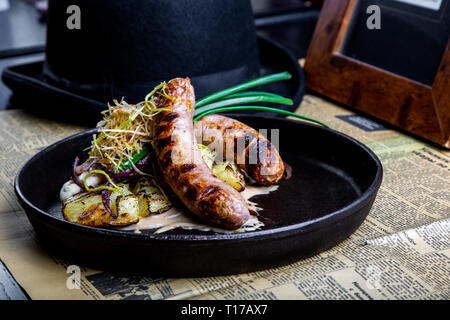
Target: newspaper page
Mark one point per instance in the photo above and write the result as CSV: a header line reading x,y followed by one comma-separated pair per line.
x,y
401,251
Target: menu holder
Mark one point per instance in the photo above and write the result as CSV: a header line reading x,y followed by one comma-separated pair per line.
x,y
389,59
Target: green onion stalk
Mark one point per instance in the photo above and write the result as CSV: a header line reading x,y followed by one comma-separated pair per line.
x,y
236,98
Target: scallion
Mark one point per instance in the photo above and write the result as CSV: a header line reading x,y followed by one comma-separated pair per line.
x,y
114,188
201,113
245,100
232,99
244,86
254,94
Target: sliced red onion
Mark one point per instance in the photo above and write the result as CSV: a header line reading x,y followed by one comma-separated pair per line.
x,y
287,171
106,201
77,170
76,174
144,164
129,173
96,166
145,161
124,174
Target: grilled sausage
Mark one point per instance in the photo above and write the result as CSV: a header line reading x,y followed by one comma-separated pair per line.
x,y
251,151
181,163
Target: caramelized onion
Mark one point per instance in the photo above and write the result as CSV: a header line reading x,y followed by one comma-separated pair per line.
x,y
124,174
106,202
287,171
76,174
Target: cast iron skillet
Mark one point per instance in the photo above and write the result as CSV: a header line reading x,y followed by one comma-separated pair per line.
x,y
334,183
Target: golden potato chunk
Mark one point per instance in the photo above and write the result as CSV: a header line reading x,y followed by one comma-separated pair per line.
x,y
127,211
151,198
207,155
229,173
88,209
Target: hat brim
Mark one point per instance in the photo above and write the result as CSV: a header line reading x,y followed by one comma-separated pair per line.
x,y
28,84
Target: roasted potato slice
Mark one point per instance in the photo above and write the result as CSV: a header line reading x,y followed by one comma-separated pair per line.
x,y
151,199
145,199
229,173
127,211
157,204
207,155
88,209
144,185
125,188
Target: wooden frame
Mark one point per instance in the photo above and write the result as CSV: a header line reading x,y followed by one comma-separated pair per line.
x,y
415,107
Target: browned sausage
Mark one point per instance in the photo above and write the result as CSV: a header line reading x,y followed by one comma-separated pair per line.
x,y
251,151
181,163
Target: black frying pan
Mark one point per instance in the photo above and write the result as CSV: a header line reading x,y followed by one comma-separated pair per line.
x,y
334,183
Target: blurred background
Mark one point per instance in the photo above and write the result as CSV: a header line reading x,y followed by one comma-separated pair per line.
x,y
23,30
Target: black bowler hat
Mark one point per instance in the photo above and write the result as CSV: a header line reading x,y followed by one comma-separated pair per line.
x,y
102,50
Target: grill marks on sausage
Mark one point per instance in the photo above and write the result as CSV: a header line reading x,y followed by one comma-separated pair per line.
x,y
196,191
241,149
252,164
265,160
209,190
166,158
263,151
252,152
161,128
211,201
187,167
170,116
203,193
191,192
164,142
